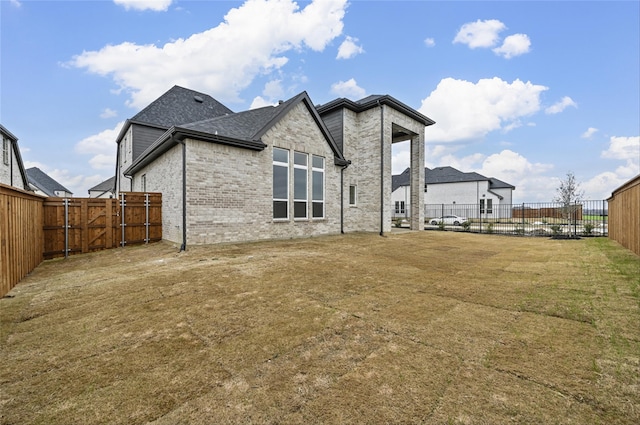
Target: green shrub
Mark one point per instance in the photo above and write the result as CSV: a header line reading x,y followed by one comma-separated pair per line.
x,y
556,229
588,228
466,226
441,225
398,221
489,228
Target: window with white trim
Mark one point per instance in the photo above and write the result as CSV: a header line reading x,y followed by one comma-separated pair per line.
x,y
280,184
489,206
300,187
400,207
317,183
143,183
481,206
353,195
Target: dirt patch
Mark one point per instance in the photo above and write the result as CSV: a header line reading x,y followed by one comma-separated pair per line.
x,y
415,327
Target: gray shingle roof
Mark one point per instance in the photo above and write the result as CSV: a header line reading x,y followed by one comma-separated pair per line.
x,y
108,184
43,182
447,175
180,106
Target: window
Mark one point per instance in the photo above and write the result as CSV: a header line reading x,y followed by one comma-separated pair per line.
x,y
399,207
5,151
317,182
353,195
280,183
143,183
481,206
300,172
489,206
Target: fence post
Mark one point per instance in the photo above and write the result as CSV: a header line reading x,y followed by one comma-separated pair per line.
x,y
123,202
146,218
66,228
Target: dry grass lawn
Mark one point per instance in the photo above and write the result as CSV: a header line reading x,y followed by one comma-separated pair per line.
x,y
416,327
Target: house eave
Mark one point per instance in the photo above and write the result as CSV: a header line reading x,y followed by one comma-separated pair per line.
x,y
175,135
384,100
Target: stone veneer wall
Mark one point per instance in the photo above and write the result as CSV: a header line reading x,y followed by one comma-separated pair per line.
x,y
229,189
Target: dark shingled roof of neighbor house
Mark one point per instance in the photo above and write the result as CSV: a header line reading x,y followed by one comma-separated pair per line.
x,y
447,175
108,184
43,182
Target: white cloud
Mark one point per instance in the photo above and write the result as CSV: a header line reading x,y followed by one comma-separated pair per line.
x,y
262,31
108,113
589,133
349,48
513,45
273,89
429,42
102,146
348,89
624,148
561,105
464,110
260,102
480,33
155,5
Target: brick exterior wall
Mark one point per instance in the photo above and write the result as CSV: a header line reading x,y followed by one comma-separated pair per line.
x,y
229,189
362,147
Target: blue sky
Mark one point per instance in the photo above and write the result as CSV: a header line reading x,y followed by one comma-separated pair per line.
x,y
522,91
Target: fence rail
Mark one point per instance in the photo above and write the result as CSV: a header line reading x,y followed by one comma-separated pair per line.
x,y
587,218
79,225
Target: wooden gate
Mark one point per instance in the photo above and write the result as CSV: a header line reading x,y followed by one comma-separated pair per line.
x,y
78,225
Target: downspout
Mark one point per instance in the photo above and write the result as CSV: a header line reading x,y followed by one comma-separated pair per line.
x,y
342,196
183,247
381,169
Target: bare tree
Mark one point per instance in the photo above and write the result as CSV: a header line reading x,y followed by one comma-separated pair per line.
x,y
569,195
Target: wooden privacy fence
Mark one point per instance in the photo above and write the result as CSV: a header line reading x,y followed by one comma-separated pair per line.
x,y
624,215
21,235
34,228
78,225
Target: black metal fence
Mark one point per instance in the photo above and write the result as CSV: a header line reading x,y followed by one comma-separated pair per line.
x,y
586,218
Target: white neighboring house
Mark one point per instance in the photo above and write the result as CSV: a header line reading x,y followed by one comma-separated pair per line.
x,y
451,191
106,189
12,172
44,185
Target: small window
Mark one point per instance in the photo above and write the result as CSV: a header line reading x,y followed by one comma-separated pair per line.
x,y
489,206
143,183
353,195
5,151
400,207
280,184
481,206
317,186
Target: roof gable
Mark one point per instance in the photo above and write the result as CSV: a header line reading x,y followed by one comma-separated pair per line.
x,y
447,174
372,102
108,184
16,150
242,129
42,181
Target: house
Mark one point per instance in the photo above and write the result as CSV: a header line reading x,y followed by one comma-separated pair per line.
x,y
473,194
12,172
44,185
106,189
285,171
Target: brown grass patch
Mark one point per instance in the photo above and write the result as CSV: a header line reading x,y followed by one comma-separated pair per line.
x,y
427,327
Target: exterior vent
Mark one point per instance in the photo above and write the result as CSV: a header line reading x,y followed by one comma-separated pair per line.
x,y
198,99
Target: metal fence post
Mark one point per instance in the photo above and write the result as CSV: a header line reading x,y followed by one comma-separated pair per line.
x,y
146,217
122,223
66,228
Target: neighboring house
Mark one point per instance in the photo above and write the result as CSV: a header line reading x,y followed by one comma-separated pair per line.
x,y
12,172
106,189
278,172
475,194
44,185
